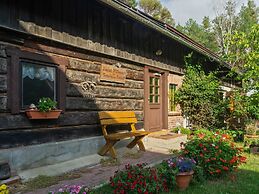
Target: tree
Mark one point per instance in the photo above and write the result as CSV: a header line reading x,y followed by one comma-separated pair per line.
x,y
244,58
203,34
156,10
132,3
248,16
224,24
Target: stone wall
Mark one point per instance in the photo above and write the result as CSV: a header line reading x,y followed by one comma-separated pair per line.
x,y
86,94
3,80
175,118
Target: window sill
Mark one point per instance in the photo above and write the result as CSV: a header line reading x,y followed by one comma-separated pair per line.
x,y
174,113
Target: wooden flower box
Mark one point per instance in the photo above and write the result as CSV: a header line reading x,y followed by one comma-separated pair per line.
x,y
36,114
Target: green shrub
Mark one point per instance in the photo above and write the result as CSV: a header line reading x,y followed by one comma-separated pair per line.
x,y
215,153
183,130
167,174
199,97
137,179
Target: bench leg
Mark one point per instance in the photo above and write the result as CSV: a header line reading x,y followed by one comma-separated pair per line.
x,y
137,140
108,147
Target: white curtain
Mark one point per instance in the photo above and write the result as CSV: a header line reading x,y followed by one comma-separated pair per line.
x,y
38,72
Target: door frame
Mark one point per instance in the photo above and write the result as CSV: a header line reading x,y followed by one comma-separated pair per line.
x,y
164,100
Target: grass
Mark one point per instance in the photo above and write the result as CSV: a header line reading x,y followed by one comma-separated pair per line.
x,y
42,181
244,181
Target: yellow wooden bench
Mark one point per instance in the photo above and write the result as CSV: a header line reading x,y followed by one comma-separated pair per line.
x,y
117,118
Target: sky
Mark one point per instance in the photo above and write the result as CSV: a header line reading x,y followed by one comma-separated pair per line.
x,y
182,10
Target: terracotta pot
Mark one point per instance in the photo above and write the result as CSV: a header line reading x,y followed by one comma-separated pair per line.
x,y
183,180
35,114
254,150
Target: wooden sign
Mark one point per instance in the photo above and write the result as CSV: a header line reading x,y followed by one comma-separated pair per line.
x,y
112,74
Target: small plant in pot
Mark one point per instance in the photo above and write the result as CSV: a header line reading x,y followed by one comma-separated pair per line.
x,y
184,167
254,147
46,109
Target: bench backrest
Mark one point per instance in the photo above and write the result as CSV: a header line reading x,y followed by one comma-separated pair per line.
x,y
117,117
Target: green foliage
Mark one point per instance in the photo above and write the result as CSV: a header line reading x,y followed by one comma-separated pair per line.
x,y
137,179
167,174
215,153
182,130
234,134
248,17
203,34
132,3
156,10
251,142
199,97
244,58
46,104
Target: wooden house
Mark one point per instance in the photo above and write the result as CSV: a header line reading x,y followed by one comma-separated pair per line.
x,y
89,56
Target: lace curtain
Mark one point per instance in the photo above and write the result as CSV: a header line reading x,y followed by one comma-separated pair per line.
x,y
38,71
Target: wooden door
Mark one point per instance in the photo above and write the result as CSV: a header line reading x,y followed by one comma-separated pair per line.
x,y
155,101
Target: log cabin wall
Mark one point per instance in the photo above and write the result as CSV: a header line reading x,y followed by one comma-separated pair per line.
x,y
82,104
86,34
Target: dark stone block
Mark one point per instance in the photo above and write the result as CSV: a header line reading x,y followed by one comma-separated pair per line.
x,y
5,171
2,51
3,102
3,65
3,83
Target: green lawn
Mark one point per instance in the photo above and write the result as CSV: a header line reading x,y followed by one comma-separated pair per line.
x,y
244,181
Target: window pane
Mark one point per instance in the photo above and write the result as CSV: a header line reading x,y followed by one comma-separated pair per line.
x,y
157,90
151,100
151,81
151,90
172,104
37,81
156,99
157,81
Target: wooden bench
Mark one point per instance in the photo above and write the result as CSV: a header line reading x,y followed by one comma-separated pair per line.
x,y
118,118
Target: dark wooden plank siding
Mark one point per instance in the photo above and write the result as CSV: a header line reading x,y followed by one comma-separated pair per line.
x,y
94,21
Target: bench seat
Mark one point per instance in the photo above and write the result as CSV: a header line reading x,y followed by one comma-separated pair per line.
x,y
119,136
108,118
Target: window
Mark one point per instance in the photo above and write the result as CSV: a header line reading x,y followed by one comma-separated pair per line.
x,y
38,80
33,76
171,95
154,94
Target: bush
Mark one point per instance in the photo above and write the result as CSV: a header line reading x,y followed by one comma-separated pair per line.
x,y
4,189
215,153
199,97
183,130
137,179
167,174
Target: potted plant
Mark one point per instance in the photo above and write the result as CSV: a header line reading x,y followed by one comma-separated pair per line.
x,y
46,109
184,167
254,146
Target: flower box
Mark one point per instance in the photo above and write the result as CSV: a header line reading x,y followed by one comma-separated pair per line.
x,y
36,114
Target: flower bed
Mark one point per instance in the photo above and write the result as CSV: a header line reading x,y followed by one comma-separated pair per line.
x,y
72,189
215,153
137,179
